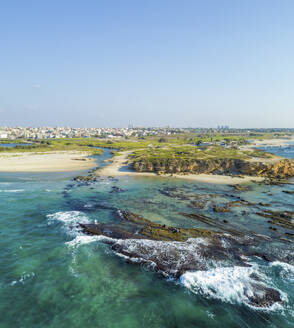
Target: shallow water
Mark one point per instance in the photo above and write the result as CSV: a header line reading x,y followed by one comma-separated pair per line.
x,y
12,145
284,151
51,275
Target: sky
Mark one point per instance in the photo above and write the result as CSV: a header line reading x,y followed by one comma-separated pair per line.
x,y
188,63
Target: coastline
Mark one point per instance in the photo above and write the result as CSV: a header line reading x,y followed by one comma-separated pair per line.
x,y
119,167
58,161
271,142
63,161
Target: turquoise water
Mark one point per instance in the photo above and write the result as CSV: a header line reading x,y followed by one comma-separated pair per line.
x,y
284,151
51,275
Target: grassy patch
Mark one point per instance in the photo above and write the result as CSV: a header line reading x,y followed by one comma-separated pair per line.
x,y
193,153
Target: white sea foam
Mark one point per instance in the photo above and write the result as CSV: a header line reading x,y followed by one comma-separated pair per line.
x,y
81,240
228,284
70,221
12,190
24,277
286,269
68,217
85,239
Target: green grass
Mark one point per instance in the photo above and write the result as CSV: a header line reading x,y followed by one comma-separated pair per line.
x,y
54,145
193,153
182,145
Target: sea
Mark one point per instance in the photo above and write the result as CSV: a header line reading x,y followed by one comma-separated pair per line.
x,y
54,276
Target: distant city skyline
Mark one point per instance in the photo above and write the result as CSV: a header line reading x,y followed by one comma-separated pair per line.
x,y
155,63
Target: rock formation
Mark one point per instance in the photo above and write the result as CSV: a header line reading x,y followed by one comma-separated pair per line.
x,y
283,168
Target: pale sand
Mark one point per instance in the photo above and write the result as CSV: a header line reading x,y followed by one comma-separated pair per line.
x,y
272,142
119,167
59,161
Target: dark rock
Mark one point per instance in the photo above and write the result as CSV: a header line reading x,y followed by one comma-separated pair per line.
x,y
263,296
291,192
221,209
116,189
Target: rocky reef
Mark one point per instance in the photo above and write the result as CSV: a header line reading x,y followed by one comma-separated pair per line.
x,y
131,225
283,168
173,252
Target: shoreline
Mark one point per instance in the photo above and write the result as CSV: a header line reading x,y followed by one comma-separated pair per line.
x,y
119,167
57,161
67,161
271,142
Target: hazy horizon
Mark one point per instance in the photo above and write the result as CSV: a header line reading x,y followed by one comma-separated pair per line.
x,y
155,63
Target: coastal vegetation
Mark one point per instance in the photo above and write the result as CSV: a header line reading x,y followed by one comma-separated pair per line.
x,y
137,143
194,152
214,153
54,145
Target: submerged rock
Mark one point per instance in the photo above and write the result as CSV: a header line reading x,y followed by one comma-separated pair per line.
x,y
221,209
175,252
279,218
135,226
115,189
263,296
291,192
175,259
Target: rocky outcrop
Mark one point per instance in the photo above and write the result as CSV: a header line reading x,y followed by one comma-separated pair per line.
x,y
172,252
131,225
283,168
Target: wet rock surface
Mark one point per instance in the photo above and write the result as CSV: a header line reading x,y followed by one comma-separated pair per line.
x,y
131,225
279,218
172,251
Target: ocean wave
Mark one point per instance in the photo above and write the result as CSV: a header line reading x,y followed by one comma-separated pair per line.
x,y
286,269
194,265
12,190
84,239
70,221
230,284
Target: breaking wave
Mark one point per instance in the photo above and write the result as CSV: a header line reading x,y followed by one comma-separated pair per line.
x,y
70,222
233,284
228,284
12,190
286,270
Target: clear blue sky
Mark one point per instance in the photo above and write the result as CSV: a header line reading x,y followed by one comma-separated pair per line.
x,y
151,62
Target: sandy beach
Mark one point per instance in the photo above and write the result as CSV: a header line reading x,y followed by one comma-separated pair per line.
x,y
60,161
119,167
272,142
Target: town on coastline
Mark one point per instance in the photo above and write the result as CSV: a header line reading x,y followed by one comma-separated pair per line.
x,y
12,133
